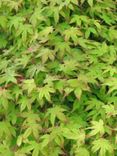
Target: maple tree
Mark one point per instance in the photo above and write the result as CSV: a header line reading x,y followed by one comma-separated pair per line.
x,y
58,77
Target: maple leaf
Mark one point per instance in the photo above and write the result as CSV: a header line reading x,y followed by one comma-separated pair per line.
x,y
35,69
97,128
110,110
69,67
46,54
25,102
9,76
24,30
72,33
56,112
37,16
46,31
23,60
7,130
15,21
29,85
32,123
103,146
44,92
112,83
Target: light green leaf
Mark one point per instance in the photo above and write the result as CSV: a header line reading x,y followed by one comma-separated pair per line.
x,y
97,128
102,146
45,92
90,2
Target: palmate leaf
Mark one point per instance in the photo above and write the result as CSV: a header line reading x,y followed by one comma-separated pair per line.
x,y
15,21
54,11
17,92
49,140
30,146
110,110
29,85
32,121
69,67
46,54
80,19
89,31
94,106
9,76
76,19
73,34
50,79
7,130
23,61
24,30
61,47
46,31
35,69
44,92
102,146
56,112
79,85
59,85
73,134
56,135
112,83
13,5
37,16
5,96
25,102
43,35
97,128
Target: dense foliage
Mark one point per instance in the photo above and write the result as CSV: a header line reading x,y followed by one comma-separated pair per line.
x,y
58,78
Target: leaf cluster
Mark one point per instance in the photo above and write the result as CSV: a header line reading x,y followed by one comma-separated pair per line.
x,y
58,77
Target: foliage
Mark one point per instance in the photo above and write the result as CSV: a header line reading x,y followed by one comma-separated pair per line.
x,y
58,77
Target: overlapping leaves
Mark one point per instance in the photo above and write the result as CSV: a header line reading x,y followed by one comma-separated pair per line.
x,y
58,77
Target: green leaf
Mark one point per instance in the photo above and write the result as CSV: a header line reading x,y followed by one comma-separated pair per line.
x,y
73,34
78,92
90,2
25,102
9,76
45,92
3,22
97,128
56,112
102,146
25,30
19,140
112,83
110,110
29,85
82,152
